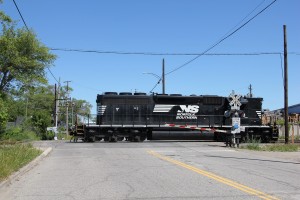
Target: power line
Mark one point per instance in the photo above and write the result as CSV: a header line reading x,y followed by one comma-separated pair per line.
x,y
244,18
21,15
224,38
158,53
53,75
227,36
168,54
29,31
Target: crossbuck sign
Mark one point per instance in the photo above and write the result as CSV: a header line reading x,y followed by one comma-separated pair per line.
x,y
235,101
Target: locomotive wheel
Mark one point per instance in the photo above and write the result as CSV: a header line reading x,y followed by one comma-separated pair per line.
x,y
149,135
106,139
266,139
137,138
91,139
113,139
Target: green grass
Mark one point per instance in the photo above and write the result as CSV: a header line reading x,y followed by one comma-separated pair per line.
x,y
282,147
253,146
15,156
272,147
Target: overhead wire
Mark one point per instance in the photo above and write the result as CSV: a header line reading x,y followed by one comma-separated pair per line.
x,y
24,22
163,54
155,85
223,39
204,53
226,36
53,75
21,15
244,18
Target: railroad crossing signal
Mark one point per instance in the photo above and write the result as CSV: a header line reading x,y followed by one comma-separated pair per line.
x,y
235,101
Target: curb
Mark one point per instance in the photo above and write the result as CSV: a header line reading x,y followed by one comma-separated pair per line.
x,y
13,177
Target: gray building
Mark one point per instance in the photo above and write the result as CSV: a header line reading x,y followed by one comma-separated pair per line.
x,y
291,109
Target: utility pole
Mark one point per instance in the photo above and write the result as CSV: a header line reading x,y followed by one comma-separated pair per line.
x,y
67,109
250,90
55,105
67,86
163,76
286,128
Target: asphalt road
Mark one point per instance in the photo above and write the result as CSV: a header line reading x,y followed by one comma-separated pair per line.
x,y
155,170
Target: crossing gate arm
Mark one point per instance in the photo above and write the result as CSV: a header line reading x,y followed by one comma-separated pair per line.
x,y
212,130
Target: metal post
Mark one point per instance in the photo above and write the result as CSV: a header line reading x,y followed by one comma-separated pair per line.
x,y
286,128
72,112
163,76
293,134
55,105
67,119
67,110
250,90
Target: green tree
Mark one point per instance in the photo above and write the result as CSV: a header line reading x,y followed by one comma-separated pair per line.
x,y
23,58
75,106
39,107
81,107
3,115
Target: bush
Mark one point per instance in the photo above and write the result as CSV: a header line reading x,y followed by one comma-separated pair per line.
x,y
49,135
18,134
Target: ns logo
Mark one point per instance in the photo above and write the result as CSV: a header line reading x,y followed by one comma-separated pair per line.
x,y
189,109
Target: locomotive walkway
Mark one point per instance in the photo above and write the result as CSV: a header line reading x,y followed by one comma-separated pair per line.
x,y
156,170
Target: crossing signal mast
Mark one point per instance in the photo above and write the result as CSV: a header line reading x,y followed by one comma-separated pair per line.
x,y
250,91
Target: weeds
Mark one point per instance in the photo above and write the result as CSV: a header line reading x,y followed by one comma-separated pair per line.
x,y
282,147
13,157
257,146
253,146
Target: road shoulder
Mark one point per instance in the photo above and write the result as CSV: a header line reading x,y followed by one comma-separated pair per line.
x,y
14,177
290,156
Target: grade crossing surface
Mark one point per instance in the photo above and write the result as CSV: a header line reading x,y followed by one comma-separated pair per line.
x,y
156,170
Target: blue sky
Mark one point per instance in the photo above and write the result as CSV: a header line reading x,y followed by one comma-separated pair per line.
x,y
167,26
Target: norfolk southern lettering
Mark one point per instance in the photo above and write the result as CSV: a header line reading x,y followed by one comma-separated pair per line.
x,y
187,112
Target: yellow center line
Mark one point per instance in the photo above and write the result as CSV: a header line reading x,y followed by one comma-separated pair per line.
x,y
220,179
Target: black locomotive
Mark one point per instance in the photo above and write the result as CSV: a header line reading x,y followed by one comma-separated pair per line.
x,y
136,116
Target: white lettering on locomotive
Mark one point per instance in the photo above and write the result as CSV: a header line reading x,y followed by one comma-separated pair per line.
x,y
187,112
